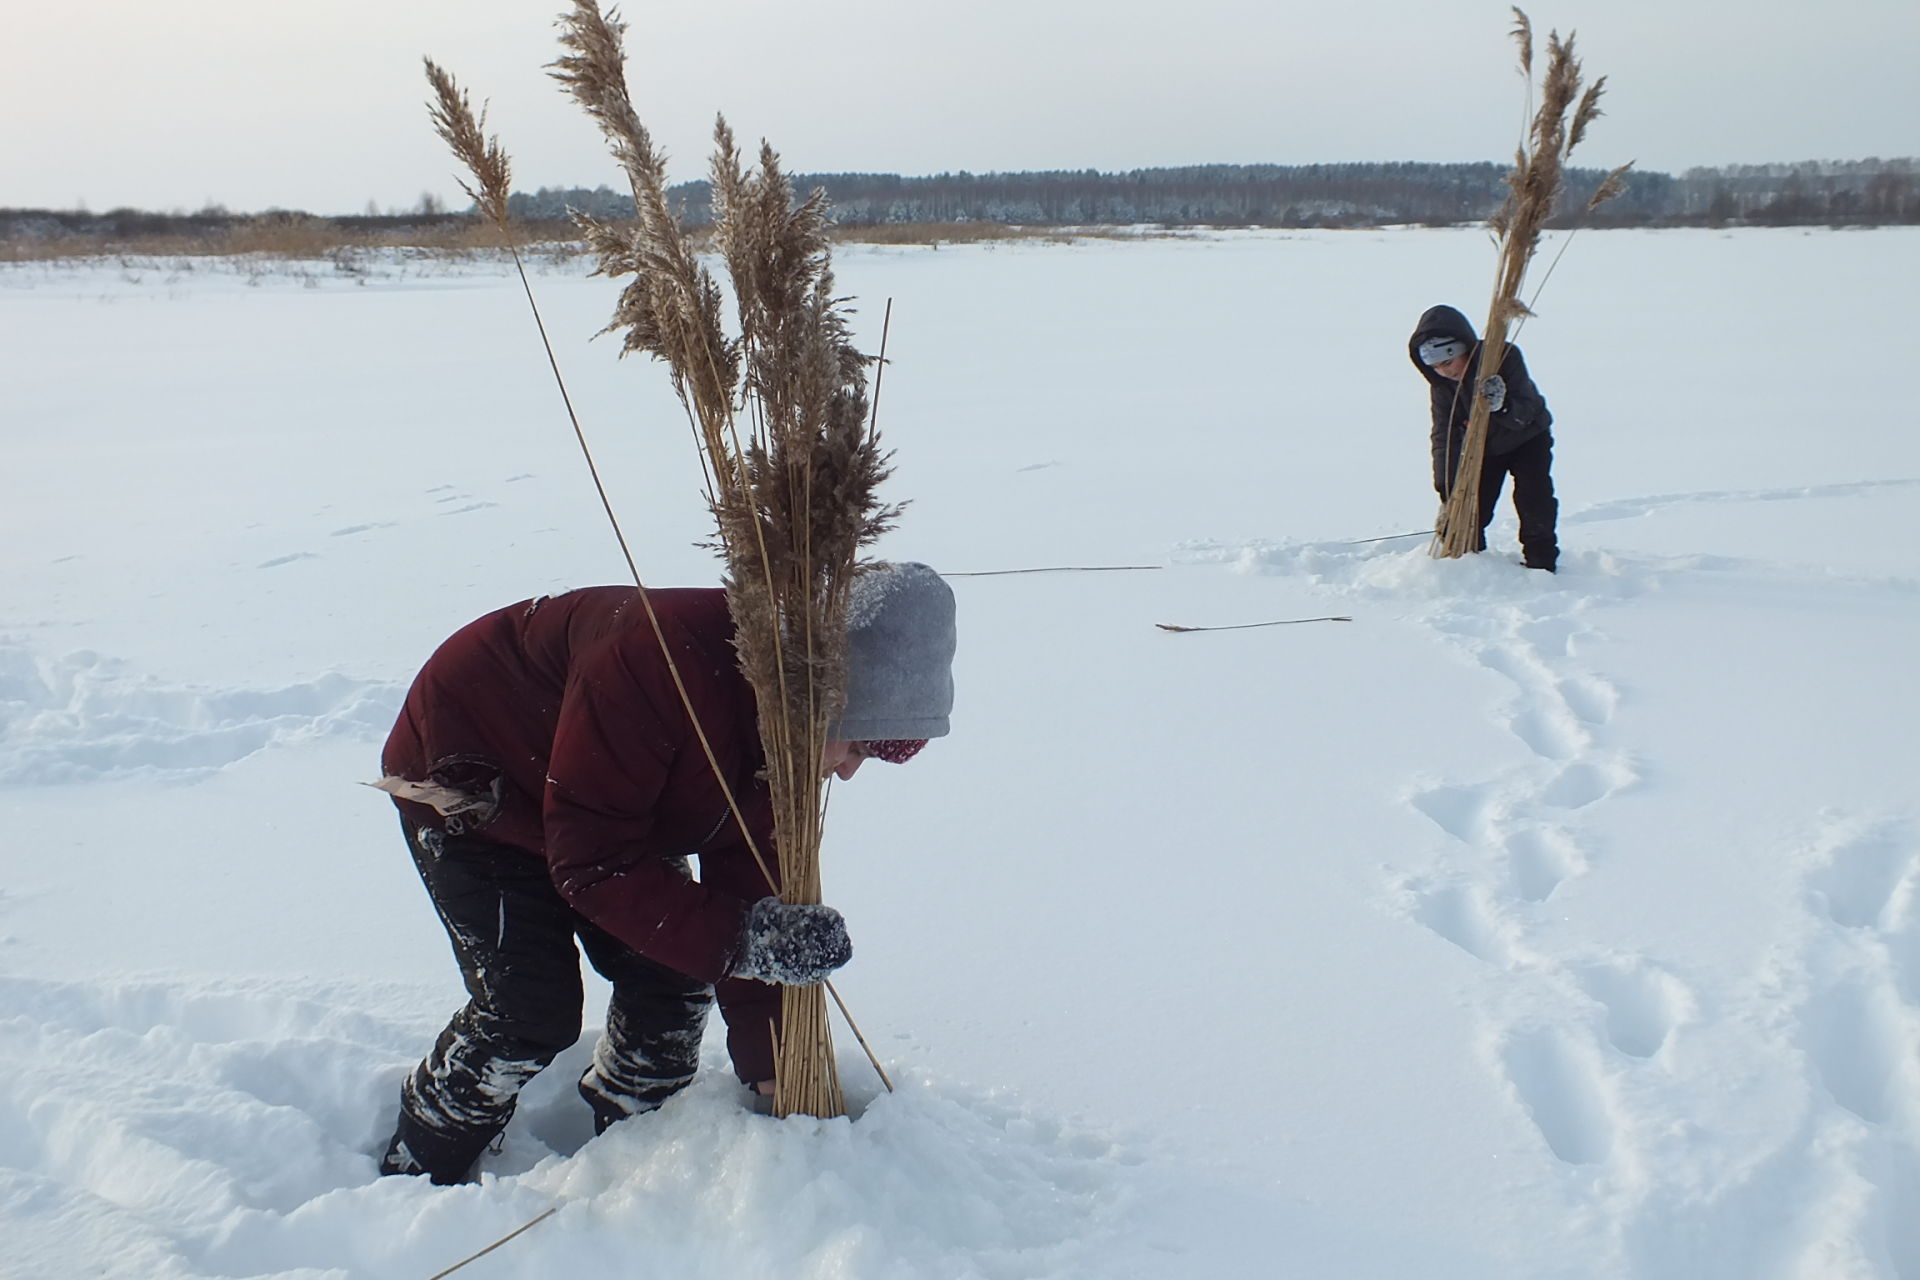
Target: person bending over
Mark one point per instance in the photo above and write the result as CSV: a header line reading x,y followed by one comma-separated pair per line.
x,y
551,787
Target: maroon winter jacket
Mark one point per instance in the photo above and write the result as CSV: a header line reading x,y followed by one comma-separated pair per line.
x,y
562,710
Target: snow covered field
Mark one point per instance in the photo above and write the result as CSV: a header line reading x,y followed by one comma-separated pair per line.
x,y
1524,926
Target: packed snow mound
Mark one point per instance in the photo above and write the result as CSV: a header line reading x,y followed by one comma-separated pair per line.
x,y
83,717
233,1129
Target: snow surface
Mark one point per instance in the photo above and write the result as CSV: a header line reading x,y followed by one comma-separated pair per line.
x,y
1521,927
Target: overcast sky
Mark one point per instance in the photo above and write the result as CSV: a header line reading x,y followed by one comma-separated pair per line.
x,y
319,105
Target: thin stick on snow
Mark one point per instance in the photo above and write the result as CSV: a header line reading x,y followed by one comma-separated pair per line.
x,y
1065,568
1417,533
441,1275
1247,626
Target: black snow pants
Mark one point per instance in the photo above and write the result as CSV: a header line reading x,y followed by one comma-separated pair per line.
x,y
513,936
1531,466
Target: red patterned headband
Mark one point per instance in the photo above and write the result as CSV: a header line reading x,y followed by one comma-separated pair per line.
x,y
894,750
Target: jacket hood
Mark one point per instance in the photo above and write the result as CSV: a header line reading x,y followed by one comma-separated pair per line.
x,y
1439,322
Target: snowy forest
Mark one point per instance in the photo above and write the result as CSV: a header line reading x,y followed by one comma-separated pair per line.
x,y
1861,191
1866,192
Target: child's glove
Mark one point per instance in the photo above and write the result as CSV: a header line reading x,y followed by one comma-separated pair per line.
x,y
793,944
1494,388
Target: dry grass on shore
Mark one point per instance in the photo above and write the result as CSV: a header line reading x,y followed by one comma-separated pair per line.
x,y
295,239
320,238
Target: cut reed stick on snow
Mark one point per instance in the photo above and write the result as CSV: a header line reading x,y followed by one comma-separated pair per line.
x,y
1390,537
780,417
510,1236
1533,187
1248,626
1060,568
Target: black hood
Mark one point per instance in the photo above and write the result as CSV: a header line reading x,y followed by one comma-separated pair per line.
x,y
1439,322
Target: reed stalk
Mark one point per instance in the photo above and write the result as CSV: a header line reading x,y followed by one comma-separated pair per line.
x,y
1567,108
491,170
780,416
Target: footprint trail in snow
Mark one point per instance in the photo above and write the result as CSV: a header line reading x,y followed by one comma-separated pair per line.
x,y
1631,1072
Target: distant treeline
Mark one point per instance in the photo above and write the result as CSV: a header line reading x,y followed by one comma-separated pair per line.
x,y
1840,193
131,225
1322,195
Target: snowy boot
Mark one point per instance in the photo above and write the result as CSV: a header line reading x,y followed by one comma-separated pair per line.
x,y
446,1157
459,1100
650,1052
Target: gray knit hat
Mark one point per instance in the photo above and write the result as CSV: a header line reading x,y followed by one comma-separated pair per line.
x,y
900,641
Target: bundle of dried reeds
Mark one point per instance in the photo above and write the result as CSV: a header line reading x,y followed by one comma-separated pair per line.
x,y
1533,187
793,464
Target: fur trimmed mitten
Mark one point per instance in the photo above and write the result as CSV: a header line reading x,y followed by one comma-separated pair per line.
x,y
793,944
1494,388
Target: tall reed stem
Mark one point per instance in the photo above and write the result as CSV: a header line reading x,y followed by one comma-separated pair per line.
x,y
1533,187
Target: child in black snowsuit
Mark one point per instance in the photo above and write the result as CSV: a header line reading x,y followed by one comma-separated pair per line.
x,y
1519,436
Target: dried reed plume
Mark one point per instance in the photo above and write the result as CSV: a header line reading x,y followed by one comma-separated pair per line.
x,y
779,414
1533,187
465,135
